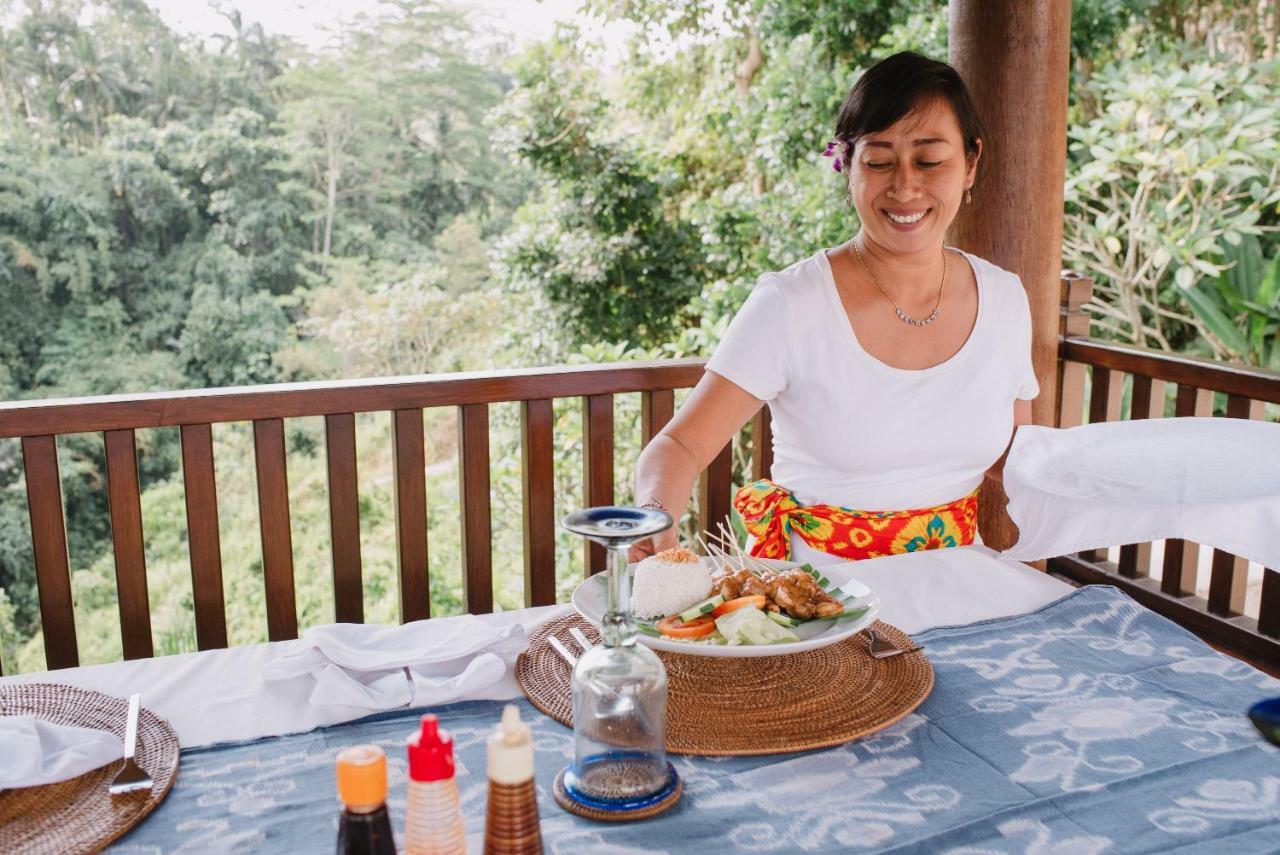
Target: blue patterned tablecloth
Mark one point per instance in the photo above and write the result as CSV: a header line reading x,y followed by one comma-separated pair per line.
x,y
1092,725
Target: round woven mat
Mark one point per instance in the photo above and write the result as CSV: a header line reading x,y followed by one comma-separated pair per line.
x,y
80,815
767,705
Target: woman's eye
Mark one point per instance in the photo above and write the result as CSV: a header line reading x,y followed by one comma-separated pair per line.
x,y
878,165
929,164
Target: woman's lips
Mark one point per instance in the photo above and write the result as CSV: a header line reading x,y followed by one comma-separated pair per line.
x,y
906,221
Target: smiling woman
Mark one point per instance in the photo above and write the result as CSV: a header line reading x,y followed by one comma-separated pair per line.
x,y
895,369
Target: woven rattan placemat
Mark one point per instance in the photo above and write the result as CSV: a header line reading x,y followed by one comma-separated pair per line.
x,y
767,705
79,815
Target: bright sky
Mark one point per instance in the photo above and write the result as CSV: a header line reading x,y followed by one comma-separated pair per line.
x,y
526,20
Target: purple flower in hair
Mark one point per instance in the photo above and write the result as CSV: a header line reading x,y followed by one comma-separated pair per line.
x,y
839,156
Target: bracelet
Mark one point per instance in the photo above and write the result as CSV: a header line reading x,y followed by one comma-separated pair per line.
x,y
656,505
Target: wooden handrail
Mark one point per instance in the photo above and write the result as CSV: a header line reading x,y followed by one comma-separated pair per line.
x,y
322,398
1178,368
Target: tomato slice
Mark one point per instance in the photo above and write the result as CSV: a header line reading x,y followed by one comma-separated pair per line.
x,y
673,627
724,608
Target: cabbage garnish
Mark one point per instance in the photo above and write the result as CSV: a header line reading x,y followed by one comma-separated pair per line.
x,y
750,626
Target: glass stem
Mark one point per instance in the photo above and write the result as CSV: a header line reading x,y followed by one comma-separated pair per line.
x,y
618,627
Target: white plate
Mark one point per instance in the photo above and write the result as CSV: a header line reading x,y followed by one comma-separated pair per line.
x,y
589,599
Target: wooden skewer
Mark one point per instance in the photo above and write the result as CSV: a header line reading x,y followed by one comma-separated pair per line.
x,y
709,549
747,560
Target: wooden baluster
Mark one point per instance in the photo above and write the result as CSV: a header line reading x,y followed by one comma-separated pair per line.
x,y
1182,557
202,536
1147,402
597,463
657,407
761,444
273,520
1076,291
537,474
344,517
410,458
1104,406
1230,575
714,487
1269,607
124,501
477,514
49,544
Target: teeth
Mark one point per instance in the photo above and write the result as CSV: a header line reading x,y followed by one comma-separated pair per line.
x,y
914,218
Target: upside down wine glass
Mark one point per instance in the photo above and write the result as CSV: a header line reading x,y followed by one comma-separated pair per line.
x,y
619,687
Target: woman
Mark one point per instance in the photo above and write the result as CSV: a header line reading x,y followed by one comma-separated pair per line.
x,y
895,369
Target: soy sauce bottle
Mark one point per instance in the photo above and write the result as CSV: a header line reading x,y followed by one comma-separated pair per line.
x,y
365,826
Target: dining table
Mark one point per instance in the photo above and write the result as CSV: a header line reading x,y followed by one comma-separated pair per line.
x,y
1061,720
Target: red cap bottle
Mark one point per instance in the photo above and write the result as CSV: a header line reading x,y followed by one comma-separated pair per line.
x,y
431,752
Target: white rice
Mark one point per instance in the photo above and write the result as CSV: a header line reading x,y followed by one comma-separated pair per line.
x,y
668,583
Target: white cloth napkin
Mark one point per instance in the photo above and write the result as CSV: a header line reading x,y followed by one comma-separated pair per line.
x,y
382,667
1215,481
37,752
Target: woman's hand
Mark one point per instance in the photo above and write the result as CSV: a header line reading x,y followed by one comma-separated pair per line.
x,y
653,545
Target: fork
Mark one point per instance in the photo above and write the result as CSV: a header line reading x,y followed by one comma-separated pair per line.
x,y
131,776
883,648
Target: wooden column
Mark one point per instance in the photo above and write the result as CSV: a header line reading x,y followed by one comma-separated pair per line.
x,y
1014,57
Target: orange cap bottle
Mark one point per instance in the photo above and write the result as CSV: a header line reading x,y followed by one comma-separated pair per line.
x,y
365,827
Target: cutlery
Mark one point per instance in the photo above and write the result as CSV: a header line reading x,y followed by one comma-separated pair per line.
x,y
883,648
558,646
581,637
131,777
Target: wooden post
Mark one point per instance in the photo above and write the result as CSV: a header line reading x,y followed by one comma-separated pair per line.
x,y
1076,290
1014,55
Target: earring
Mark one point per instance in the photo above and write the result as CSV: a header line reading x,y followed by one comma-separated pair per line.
x,y
968,196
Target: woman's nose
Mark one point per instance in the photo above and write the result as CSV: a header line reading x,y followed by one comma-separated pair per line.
x,y
906,184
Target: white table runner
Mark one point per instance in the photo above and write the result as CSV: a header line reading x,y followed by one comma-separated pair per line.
x,y
219,695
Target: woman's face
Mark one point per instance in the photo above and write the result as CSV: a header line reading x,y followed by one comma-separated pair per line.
x,y
908,181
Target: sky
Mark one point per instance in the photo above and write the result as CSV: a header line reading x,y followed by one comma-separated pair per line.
x,y
525,20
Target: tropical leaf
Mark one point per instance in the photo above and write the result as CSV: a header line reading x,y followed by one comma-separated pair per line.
x,y
1216,321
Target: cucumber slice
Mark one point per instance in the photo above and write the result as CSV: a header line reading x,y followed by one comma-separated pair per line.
x,y
782,620
703,608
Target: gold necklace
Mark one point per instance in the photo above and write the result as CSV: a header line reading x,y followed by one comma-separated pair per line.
x,y
903,316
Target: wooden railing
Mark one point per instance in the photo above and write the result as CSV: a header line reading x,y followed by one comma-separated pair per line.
x,y
1221,616
39,423
1103,367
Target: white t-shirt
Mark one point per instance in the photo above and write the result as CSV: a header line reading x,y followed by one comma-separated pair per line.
x,y
851,431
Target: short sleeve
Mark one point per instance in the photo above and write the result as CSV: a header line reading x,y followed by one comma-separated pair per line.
x,y
752,355
1028,385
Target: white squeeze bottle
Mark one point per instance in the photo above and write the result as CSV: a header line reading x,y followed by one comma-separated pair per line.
x,y
433,819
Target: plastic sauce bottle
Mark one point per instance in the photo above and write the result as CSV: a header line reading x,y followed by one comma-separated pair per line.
x,y
365,826
433,820
511,825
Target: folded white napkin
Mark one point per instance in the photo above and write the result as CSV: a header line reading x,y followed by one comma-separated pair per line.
x,y
37,752
1215,481
381,667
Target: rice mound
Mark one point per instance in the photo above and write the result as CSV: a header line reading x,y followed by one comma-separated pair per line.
x,y
668,583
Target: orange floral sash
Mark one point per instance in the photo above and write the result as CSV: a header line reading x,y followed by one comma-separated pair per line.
x,y
771,514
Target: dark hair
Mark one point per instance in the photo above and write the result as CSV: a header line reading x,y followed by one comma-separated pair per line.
x,y
897,86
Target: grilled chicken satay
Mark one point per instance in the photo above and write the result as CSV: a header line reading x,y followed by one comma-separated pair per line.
x,y
732,583
800,595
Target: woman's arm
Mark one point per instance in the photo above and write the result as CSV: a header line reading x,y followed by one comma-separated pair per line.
x,y
998,531
1021,416
665,472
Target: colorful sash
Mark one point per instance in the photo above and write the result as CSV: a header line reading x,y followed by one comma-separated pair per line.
x,y
771,514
